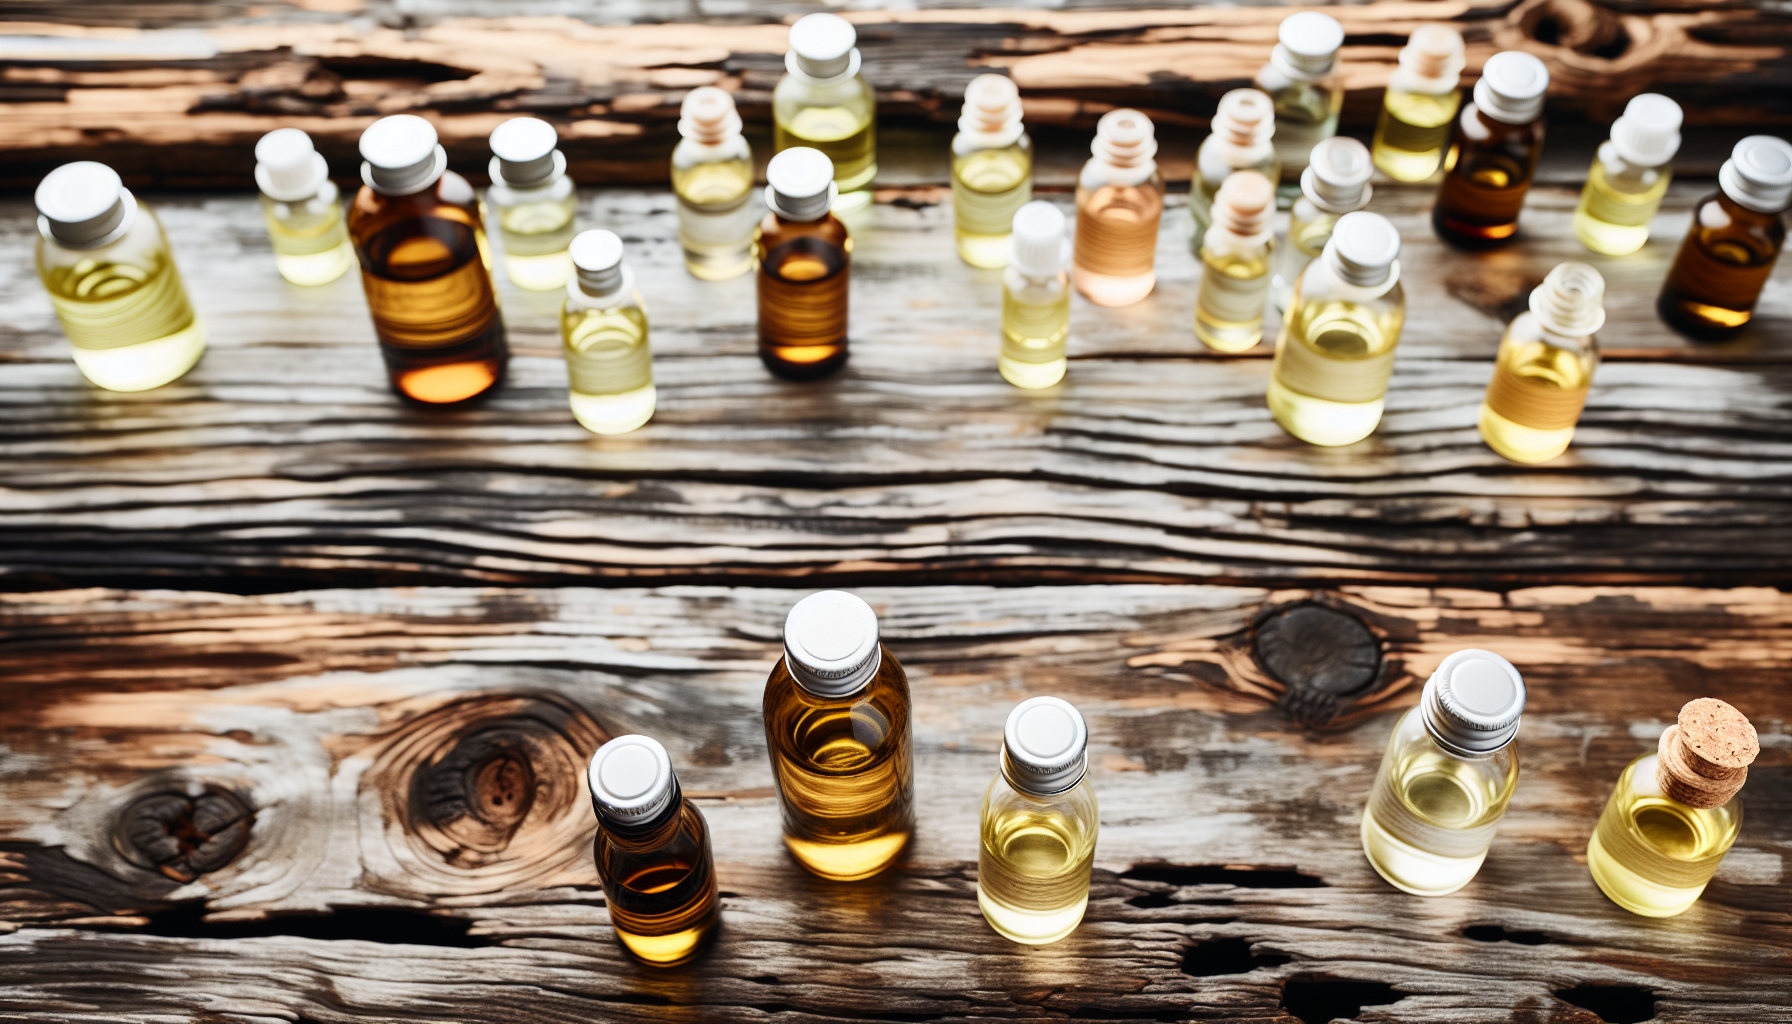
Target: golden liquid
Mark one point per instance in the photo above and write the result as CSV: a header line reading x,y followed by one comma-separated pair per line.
x,y
1035,329
430,293
1614,213
1229,305
988,186
1306,240
1034,866
1331,391
1536,385
536,239
1116,242
1412,131
715,218
1722,265
660,887
609,368
847,136
1430,820
131,325
310,239
803,287
1652,854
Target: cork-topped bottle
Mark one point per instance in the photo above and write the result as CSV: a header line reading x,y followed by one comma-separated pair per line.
x,y
1235,264
1119,204
1241,140
804,254
1493,154
1303,82
1420,104
1629,176
1336,182
824,103
303,209
712,176
1545,366
1729,251
992,170
533,201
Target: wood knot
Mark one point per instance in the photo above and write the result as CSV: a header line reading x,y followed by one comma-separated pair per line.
x,y
183,836
1575,25
1703,758
1323,656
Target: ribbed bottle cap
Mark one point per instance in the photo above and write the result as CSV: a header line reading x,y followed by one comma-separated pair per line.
x,y
830,643
400,155
1337,176
800,182
708,116
288,167
1512,87
1040,249
631,780
1309,41
1472,703
83,205
523,153
991,105
1571,300
1124,138
1433,52
1245,204
1362,249
822,45
1648,134
597,258
1758,174
1246,117
1045,746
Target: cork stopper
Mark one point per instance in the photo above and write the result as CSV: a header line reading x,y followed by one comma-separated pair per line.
x,y
1124,138
1245,204
991,105
708,116
1705,757
1246,118
1433,51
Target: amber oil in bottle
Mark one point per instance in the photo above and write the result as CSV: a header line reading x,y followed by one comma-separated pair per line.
x,y
1119,203
1235,264
1303,82
1493,154
1729,251
1336,182
603,331
303,209
534,202
1629,176
824,103
1421,101
1545,366
804,255
992,170
1036,299
1241,140
712,176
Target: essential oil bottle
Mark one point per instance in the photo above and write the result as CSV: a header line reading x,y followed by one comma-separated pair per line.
x,y
823,103
1674,813
1446,777
534,202
1419,105
603,332
1040,823
1735,237
1336,182
1119,203
712,176
112,279
1305,86
1493,154
652,852
1629,176
1545,366
837,726
1235,264
1336,352
1036,299
1243,128
992,170
425,266
804,255
303,209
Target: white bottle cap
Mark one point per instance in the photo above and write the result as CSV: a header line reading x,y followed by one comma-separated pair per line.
x,y
1648,134
1246,117
631,780
523,153
1758,174
288,167
708,116
800,182
991,106
1308,44
1434,53
84,205
1472,703
1045,746
400,155
1363,249
830,643
597,258
1124,138
1337,176
1571,300
821,47
1039,248
1512,87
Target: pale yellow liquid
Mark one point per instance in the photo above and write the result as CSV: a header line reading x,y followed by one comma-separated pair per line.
x,y
1613,215
1652,854
988,186
310,239
715,218
131,326
1035,329
1033,873
1533,366
1348,339
847,137
1229,306
536,238
1412,132
609,367
1423,794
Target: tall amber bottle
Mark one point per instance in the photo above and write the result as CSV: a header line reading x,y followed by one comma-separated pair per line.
x,y
1119,204
425,266
837,727
805,266
1729,252
1493,154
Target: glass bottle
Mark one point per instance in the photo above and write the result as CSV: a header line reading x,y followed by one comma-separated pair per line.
x,y
837,725
1674,813
652,852
823,103
303,209
1240,141
1304,85
992,170
1336,350
1629,176
534,202
804,255
1735,237
1036,299
1493,154
111,276
1119,202
712,176
603,332
1235,264
425,266
1420,102
1545,366
1446,777
1039,826
1336,182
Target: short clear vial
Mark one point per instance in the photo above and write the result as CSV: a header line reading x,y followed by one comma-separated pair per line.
x,y
1419,105
712,176
1545,367
1447,776
1119,204
1241,140
303,209
533,202
824,103
1303,82
992,170
1036,299
1235,264
603,332
1336,182
1629,176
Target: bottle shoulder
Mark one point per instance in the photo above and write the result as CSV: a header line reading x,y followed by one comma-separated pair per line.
x,y
794,92
1077,803
143,244
774,231
691,153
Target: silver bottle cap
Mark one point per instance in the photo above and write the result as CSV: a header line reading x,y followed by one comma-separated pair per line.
x,y
523,153
631,780
1363,249
1758,174
822,46
1512,87
597,259
1337,176
800,183
84,205
1045,746
288,167
400,155
1473,702
830,643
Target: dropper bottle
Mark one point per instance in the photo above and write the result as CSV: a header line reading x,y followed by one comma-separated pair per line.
x,y
1305,85
992,170
1036,299
1545,366
303,209
603,331
712,176
1241,140
535,202
1336,182
1119,203
1235,264
1629,176
1419,105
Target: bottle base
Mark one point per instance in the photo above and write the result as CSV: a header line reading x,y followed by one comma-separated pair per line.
x,y
314,269
1608,239
680,947
613,414
1030,927
145,365
1407,166
1032,376
1474,237
1321,422
847,862
1635,894
1412,870
987,251
711,268
1108,290
1701,321
802,362
1229,338
539,273
1520,443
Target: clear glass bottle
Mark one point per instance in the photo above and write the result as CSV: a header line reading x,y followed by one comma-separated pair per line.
x,y
425,266
652,853
837,725
1040,822
603,332
1446,777
1629,176
1305,86
823,103
1735,238
1240,141
303,209
1119,203
111,276
534,202
804,254
1420,103
1545,366
712,176
1493,154
1036,299
992,170
1235,264
1336,182
1336,351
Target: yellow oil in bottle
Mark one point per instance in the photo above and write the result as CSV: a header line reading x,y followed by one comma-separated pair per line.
x,y
1614,212
130,323
1034,865
310,237
716,217
1536,396
1430,820
988,186
536,234
1035,329
609,367
1229,305
1412,132
846,134
1332,365
1652,854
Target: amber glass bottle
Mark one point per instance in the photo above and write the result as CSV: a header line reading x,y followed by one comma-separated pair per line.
x,y
805,262
1729,252
1119,203
425,266
1493,154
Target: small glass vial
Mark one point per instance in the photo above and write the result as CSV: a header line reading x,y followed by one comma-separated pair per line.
x,y
1336,351
712,176
1629,176
425,266
1240,141
1040,823
303,209
1235,264
837,725
1545,366
1421,101
1119,203
1493,154
992,170
1735,237
111,276
1674,813
1036,299
1336,182
1446,777
534,202
823,103
603,331
1305,86
652,852
804,255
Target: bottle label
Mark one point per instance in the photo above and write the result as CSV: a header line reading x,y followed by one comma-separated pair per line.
x,y
1306,369
1534,402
